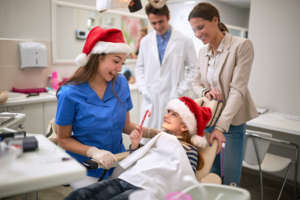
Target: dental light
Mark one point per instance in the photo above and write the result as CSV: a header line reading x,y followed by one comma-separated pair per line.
x,y
133,5
103,5
157,4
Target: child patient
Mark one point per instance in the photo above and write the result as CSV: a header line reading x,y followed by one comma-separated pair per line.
x,y
186,120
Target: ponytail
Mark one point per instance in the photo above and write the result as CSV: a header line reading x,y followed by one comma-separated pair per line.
x,y
222,27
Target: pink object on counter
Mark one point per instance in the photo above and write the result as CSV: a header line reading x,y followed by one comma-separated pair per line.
x,y
54,80
31,90
54,74
65,80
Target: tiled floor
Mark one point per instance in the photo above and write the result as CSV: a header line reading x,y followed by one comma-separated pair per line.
x,y
272,186
250,182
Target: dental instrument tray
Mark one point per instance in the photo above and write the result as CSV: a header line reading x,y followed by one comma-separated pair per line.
x,y
29,143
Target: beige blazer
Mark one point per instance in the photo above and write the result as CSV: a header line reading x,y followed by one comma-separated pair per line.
x,y
233,71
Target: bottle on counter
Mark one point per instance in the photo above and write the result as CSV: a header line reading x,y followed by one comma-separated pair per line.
x,y
54,80
49,85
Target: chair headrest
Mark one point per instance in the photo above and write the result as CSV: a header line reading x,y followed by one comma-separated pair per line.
x,y
215,107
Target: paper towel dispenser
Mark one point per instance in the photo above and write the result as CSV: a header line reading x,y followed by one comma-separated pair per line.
x,y
32,55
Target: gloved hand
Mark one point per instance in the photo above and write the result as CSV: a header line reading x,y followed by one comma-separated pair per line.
x,y
103,157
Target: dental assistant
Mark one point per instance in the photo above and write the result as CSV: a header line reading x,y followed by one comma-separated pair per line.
x,y
222,73
94,104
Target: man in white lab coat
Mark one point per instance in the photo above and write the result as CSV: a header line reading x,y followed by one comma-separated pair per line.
x,y
165,67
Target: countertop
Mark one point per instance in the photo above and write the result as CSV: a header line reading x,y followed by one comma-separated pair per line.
x,y
43,97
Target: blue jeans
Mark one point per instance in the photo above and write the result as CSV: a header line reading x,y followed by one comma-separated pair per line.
x,y
112,189
234,153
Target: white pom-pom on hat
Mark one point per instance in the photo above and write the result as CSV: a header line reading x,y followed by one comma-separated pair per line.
x,y
82,59
198,141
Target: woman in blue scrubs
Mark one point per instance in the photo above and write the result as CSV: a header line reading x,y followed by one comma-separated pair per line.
x,y
94,104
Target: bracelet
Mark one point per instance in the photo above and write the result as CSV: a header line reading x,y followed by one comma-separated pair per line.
x,y
203,93
149,133
219,128
85,151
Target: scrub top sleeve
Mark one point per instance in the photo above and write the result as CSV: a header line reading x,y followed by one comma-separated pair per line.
x,y
65,108
128,100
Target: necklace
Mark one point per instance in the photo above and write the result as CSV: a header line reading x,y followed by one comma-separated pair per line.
x,y
100,90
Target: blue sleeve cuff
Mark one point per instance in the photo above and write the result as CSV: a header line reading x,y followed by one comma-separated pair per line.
x,y
131,151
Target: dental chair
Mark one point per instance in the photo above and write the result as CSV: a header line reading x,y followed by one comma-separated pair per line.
x,y
208,153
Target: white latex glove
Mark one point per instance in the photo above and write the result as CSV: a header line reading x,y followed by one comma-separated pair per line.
x,y
103,157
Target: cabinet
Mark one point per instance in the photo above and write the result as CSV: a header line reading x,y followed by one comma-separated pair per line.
x,y
3,109
49,113
38,115
34,116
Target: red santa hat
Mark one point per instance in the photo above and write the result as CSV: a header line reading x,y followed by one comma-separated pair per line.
x,y
193,116
100,40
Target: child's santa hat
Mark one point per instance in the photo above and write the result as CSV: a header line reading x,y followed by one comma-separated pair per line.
x,y
100,41
193,116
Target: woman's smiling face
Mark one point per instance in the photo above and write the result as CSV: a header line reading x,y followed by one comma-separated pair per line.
x,y
204,29
110,65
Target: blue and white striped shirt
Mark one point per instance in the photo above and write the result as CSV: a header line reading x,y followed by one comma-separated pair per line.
x,y
191,152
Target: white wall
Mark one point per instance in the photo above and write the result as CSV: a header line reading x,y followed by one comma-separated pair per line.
x,y
274,83
274,30
231,15
25,19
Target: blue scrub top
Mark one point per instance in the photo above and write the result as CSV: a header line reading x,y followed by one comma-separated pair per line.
x,y
95,122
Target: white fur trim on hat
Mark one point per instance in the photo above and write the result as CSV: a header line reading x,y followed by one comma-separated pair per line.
x,y
110,47
198,141
82,59
185,114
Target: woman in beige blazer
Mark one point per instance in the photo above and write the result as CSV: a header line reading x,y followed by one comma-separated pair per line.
x,y
222,73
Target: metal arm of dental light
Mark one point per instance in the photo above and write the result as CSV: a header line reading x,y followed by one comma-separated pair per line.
x,y
158,4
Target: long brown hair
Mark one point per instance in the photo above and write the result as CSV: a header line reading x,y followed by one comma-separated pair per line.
x,y
88,73
187,139
207,11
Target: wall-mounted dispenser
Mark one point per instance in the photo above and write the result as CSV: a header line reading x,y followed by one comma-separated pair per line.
x,y
32,55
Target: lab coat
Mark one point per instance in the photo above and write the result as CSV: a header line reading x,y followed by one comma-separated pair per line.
x,y
158,167
159,83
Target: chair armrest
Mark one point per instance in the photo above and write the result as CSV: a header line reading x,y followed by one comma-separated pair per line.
x,y
215,107
91,163
211,178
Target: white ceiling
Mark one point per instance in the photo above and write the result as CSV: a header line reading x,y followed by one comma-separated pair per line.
x,y
235,3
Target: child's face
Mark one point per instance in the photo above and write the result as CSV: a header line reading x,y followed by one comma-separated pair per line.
x,y
172,123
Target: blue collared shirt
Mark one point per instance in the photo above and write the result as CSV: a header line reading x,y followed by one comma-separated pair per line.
x,y
162,43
